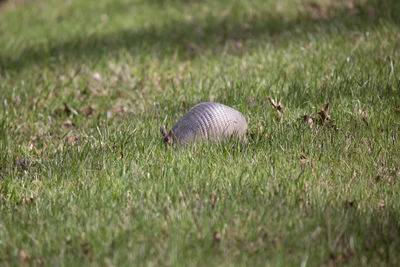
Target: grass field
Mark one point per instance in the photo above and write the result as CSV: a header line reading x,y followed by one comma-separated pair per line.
x,y
85,179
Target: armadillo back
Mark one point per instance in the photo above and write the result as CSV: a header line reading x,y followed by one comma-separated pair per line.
x,y
209,120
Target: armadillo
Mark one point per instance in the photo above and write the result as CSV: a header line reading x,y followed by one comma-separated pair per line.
x,y
208,120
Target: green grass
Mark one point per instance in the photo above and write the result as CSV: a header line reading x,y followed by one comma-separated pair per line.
x,y
95,186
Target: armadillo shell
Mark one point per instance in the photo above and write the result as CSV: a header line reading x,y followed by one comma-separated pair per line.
x,y
209,120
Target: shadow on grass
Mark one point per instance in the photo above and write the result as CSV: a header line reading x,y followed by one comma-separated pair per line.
x,y
210,34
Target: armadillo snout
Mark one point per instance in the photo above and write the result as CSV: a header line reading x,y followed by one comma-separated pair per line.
x,y
167,137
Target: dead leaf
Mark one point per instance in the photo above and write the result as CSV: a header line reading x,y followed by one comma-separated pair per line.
x,y
364,115
212,199
120,109
108,262
323,115
86,249
317,11
69,124
304,159
251,135
309,120
27,200
97,76
349,203
382,204
30,145
23,163
24,257
191,47
68,110
339,259
88,111
71,140
277,106
165,228
217,237
109,114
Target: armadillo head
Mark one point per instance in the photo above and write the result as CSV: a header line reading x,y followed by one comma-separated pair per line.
x,y
167,136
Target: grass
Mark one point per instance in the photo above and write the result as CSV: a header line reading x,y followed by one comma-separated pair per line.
x,y
85,179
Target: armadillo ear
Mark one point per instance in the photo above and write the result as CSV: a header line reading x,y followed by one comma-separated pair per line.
x,y
169,136
163,131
